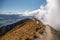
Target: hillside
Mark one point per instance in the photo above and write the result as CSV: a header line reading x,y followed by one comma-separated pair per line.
x,y
29,29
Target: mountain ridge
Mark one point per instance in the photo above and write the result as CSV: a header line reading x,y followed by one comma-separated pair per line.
x,y
31,29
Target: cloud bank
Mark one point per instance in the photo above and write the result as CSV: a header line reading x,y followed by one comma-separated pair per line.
x,y
48,14
51,13
53,16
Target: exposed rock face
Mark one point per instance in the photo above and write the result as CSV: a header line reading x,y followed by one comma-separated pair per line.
x,y
30,29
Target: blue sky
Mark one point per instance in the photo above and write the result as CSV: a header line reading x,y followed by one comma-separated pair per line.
x,y
20,5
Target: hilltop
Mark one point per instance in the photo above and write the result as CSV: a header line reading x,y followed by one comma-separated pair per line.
x,y
29,29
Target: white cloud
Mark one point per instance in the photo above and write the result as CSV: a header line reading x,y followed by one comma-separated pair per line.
x,y
29,13
53,13
50,13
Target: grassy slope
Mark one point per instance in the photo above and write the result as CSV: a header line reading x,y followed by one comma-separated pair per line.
x,y
28,30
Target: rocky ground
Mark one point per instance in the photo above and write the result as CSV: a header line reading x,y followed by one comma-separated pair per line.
x,y
29,29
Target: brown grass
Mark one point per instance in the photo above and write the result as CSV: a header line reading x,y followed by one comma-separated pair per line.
x,y
28,30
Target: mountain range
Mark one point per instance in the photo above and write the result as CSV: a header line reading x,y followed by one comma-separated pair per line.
x,y
9,19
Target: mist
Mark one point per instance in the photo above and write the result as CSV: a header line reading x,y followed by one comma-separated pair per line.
x,y
48,14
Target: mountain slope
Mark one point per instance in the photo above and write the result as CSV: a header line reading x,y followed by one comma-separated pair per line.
x,y
31,29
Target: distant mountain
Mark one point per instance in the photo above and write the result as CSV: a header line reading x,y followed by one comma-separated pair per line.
x,y
29,29
3,16
9,19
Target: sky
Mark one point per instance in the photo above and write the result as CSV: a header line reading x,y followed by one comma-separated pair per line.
x,y
47,11
21,5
